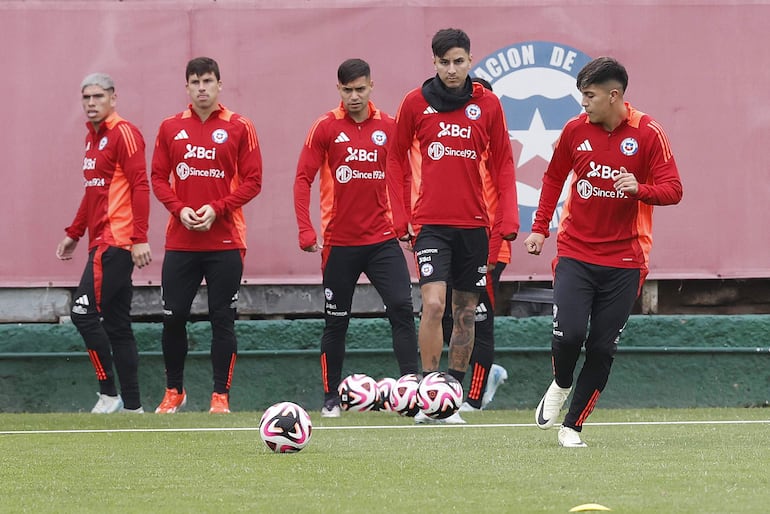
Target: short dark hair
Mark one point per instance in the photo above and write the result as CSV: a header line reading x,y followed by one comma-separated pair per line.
x,y
200,66
352,69
446,39
483,82
600,71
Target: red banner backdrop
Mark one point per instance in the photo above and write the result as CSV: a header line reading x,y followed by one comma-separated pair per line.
x,y
697,69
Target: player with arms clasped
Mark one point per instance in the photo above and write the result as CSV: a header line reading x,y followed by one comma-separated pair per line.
x,y
206,166
349,146
454,122
623,165
115,211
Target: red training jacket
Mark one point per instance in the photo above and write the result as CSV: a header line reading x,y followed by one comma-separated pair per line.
x,y
116,204
451,145
215,162
600,225
490,197
351,159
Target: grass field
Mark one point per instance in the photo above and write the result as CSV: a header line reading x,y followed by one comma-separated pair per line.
x,y
638,461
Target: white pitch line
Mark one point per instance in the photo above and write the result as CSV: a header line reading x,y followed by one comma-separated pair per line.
x,y
377,427
129,430
703,422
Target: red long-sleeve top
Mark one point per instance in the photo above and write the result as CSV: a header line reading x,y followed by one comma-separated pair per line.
x,y
490,197
451,145
598,224
350,157
116,204
215,162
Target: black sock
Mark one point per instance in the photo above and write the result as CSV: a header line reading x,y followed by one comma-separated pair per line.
x,y
476,404
459,375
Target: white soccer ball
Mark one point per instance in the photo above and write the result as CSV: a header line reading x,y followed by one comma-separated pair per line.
x,y
358,392
439,395
285,427
384,387
403,396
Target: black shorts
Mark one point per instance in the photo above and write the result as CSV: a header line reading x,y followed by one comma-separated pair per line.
x,y
457,256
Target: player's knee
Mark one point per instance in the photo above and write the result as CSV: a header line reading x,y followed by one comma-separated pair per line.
x,y
336,316
174,319
432,308
400,308
84,321
569,338
466,313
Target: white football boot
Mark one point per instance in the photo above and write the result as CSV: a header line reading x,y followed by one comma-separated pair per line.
x,y
497,375
570,438
550,405
107,404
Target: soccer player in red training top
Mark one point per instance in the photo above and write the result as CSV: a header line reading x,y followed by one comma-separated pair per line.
x,y
349,146
206,166
115,209
486,376
454,122
623,165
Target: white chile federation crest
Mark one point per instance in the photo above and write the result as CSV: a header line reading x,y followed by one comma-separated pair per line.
x,y
535,81
219,136
424,258
379,138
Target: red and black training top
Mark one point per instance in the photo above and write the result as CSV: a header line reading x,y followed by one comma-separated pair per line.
x,y
451,146
116,204
215,162
600,225
350,157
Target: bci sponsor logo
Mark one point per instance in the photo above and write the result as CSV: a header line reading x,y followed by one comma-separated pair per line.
x,y
89,164
361,155
200,152
602,171
454,130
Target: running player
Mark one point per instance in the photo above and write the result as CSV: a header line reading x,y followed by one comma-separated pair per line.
x,y
623,165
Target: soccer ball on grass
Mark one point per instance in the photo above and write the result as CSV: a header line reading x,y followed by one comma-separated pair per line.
x,y
384,387
285,427
439,395
358,392
403,396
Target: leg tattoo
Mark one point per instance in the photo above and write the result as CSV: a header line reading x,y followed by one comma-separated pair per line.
x,y
463,330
